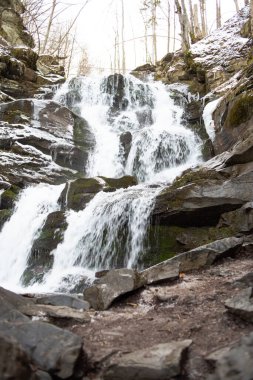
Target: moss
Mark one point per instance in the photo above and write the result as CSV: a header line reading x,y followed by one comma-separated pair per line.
x,y
195,176
4,216
9,197
241,111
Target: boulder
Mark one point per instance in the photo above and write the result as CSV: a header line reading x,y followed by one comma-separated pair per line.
x,y
51,349
162,361
113,284
14,363
242,304
235,363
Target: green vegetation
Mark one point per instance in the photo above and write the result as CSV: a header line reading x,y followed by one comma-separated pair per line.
x,y
241,111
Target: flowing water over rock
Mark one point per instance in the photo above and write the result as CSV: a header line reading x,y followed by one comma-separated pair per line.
x,y
111,230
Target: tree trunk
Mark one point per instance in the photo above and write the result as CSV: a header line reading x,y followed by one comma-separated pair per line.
x,y
49,25
203,16
122,37
168,26
154,21
251,16
236,5
183,25
218,14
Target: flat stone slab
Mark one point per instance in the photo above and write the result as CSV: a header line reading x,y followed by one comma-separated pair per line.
x,y
63,300
162,361
242,304
61,312
194,259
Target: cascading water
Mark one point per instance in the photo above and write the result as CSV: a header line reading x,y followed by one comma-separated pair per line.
x,y
111,230
23,227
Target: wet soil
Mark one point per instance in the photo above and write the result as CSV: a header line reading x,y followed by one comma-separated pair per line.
x,y
189,308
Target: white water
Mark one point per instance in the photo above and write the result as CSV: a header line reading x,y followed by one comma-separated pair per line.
x,y
111,230
23,227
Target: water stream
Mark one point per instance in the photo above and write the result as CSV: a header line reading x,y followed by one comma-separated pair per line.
x,y
110,231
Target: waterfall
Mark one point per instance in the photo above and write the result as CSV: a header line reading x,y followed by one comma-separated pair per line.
x,y
111,230
19,232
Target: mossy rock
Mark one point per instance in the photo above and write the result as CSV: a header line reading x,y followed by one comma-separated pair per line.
x,y
27,56
241,111
165,242
9,197
41,260
4,216
78,193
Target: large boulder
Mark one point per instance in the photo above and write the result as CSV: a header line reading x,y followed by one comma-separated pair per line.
x,y
113,284
51,349
14,363
162,361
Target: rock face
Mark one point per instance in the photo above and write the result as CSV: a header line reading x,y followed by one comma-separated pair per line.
x,y
46,137
112,285
11,24
162,362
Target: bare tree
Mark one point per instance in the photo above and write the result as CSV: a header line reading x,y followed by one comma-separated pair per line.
x,y
122,37
218,14
184,24
236,5
84,67
202,4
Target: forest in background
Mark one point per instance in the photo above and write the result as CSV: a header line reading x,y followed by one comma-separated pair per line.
x,y
53,25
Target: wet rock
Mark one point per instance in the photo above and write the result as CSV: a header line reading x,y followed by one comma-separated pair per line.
x,y
195,259
242,304
64,300
126,141
53,131
163,362
14,363
51,349
236,362
113,284
78,193
40,259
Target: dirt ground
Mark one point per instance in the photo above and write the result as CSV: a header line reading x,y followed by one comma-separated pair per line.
x,y
189,308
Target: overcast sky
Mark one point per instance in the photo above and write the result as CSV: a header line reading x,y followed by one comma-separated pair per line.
x,y
97,23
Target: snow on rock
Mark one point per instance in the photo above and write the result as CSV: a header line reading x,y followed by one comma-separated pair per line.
x,y
208,117
224,44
